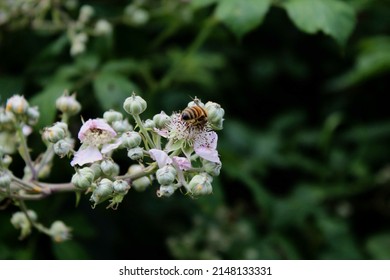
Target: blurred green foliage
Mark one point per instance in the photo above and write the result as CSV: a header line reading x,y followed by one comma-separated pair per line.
x,y
305,146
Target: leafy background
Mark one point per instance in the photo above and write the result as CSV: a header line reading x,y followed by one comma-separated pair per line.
x,y
305,145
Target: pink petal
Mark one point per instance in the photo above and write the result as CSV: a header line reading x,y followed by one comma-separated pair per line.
x,y
95,124
207,154
109,147
160,157
182,162
162,132
86,155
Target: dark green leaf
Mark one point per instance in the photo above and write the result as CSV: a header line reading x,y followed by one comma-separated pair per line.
x,y
242,16
333,17
112,89
378,246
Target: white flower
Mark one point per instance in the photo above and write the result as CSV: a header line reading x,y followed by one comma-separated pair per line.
x,y
95,136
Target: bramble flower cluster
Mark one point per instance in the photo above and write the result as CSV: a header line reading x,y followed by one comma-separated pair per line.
x,y
167,151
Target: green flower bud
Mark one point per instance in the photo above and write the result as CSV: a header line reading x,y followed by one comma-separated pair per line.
x,y
139,184
5,180
17,104
20,221
215,115
96,170
200,184
135,153
122,126
212,168
83,178
134,105
6,160
131,139
68,104
103,27
149,124
59,232
166,175
103,191
55,133
121,186
63,147
86,12
161,120
33,115
109,168
7,119
166,191
112,116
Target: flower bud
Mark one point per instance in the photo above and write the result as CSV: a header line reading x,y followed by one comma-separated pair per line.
x,y
121,186
215,115
17,104
139,184
33,115
112,116
86,12
166,191
96,170
103,27
83,178
134,105
5,161
135,153
109,168
161,120
200,184
7,119
122,126
5,180
212,168
131,139
59,232
103,191
68,104
20,221
55,133
195,102
63,147
166,175
149,124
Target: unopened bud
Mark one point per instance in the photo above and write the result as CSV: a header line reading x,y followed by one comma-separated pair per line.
x,y
20,221
121,186
86,12
134,105
103,191
135,153
5,180
149,124
166,175
68,104
200,184
63,147
17,104
83,178
161,120
166,191
131,139
103,27
33,115
215,115
109,168
112,116
122,126
59,231
212,168
55,133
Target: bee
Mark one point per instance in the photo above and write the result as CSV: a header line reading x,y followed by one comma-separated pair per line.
x,y
194,115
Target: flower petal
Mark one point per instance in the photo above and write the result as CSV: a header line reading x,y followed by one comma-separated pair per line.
x,y
85,155
182,162
109,147
95,124
160,157
207,154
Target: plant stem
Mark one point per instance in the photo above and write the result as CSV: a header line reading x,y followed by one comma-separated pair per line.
x,y
149,141
24,151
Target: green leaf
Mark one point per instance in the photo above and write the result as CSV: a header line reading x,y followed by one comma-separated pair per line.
x,y
378,246
45,100
112,89
373,60
242,16
333,17
197,4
